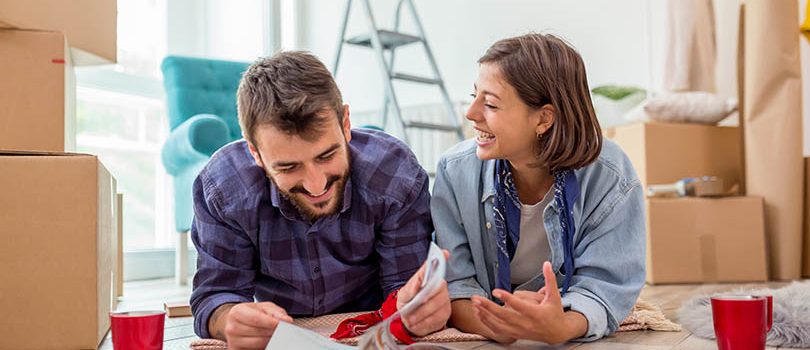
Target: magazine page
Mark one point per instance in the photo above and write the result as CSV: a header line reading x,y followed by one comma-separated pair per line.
x,y
289,336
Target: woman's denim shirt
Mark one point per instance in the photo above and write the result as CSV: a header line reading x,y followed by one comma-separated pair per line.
x,y
609,242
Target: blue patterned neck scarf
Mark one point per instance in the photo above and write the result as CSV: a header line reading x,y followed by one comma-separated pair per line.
x,y
507,220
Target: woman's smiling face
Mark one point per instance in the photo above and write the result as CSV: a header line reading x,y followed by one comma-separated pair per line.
x,y
505,126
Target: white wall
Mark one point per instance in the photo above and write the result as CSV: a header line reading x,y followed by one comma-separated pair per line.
x,y
220,29
611,36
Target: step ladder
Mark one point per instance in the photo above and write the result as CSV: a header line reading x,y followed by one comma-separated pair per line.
x,y
383,41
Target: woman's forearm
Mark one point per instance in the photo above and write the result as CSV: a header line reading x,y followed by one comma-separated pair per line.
x,y
576,325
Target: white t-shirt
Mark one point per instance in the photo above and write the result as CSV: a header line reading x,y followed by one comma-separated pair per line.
x,y
533,248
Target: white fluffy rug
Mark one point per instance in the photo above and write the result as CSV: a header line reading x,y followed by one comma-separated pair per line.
x,y
791,314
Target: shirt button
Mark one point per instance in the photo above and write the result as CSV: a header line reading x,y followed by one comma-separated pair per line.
x,y
317,269
489,226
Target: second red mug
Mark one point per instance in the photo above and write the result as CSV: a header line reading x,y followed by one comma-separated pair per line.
x,y
137,330
742,322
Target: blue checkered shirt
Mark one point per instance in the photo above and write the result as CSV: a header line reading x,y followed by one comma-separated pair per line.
x,y
252,243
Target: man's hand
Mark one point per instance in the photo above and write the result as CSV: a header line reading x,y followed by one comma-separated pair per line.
x,y
430,316
246,325
528,315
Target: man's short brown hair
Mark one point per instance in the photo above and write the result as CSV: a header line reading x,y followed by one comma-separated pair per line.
x,y
544,69
292,91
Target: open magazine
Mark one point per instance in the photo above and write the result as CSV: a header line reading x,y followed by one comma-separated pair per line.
x,y
288,336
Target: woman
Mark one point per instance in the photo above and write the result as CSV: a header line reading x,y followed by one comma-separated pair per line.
x,y
538,212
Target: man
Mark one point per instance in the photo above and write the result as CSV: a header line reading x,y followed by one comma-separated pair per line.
x,y
306,216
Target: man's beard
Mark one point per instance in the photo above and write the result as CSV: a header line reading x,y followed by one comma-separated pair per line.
x,y
305,207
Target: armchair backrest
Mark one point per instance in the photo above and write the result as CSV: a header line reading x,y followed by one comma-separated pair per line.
x,y
202,86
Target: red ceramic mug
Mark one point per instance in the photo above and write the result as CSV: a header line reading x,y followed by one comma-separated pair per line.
x,y
742,322
137,330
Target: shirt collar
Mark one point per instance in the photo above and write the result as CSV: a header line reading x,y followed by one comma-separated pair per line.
x,y
347,195
488,178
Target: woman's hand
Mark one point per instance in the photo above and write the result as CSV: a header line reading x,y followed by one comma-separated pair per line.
x,y
531,315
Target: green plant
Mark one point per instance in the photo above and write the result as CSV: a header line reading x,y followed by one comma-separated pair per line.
x,y
615,92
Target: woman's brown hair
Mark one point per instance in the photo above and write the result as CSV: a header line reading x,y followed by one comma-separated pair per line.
x,y
544,69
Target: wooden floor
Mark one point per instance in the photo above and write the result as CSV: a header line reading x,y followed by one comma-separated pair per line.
x,y
148,295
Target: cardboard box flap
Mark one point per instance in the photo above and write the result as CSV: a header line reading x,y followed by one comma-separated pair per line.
x,y
12,153
77,55
90,25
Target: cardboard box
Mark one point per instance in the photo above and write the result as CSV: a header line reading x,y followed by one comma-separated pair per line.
x,y
118,246
37,92
667,152
806,212
118,287
177,309
696,240
57,254
90,25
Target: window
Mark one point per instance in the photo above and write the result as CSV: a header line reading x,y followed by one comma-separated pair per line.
x,y
126,131
121,118
121,111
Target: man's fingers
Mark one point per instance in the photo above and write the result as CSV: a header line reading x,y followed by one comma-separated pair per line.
x,y
247,343
409,290
432,314
406,293
254,317
274,311
243,330
430,324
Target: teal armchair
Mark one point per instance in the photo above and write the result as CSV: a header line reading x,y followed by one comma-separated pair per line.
x,y
201,98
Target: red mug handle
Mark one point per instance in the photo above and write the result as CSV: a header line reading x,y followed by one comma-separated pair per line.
x,y
770,312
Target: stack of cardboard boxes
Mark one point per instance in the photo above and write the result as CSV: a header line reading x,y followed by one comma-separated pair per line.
x,y
58,211
695,240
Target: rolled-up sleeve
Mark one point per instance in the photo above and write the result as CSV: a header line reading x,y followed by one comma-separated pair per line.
x,y
225,258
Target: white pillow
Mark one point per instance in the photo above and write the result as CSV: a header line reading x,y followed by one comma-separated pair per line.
x,y
611,112
687,107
